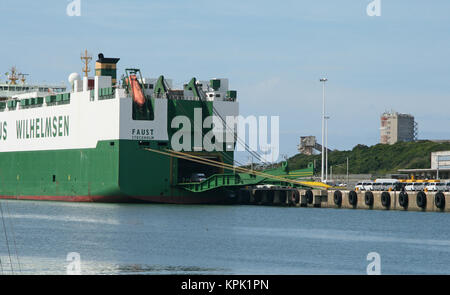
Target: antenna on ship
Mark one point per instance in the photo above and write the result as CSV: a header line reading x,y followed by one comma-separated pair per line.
x,y
86,58
22,77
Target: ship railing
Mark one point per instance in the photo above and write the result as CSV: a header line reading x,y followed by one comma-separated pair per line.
x,y
176,97
105,93
170,96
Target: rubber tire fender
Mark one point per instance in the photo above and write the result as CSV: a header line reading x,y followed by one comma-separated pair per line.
x,y
403,200
385,199
282,197
353,198
421,200
270,197
258,196
309,196
337,198
368,199
296,197
293,197
439,200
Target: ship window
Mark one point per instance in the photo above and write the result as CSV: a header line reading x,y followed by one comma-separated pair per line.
x,y
150,86
54,178
111,143
1,87
162,143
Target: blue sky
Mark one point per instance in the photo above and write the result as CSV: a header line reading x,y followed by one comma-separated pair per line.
x,y
273,52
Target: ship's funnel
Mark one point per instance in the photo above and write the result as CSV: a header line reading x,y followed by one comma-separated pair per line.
x,y
106,66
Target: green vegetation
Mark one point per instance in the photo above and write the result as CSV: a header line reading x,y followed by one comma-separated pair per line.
x,y
377,159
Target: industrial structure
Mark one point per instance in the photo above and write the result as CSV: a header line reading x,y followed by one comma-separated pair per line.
x,y
397,127
309,144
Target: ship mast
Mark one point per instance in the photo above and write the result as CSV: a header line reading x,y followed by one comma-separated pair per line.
x,y
13,76
86,58
22,77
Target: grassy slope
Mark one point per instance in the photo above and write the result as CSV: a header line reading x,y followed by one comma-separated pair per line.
x,y
377,159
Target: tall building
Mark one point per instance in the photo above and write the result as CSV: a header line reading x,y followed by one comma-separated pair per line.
x,y
397,127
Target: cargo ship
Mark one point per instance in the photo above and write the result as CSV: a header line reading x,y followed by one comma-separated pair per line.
x,y
93,142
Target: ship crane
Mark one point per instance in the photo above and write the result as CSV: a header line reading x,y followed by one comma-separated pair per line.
x,y
161,87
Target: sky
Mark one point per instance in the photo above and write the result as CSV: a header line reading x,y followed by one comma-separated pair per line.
x,y
273,52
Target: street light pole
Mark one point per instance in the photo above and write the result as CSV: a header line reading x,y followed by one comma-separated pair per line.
x,y
323,125
326,147
437,168
347,171
331,173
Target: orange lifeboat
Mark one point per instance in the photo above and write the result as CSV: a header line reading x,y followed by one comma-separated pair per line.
x,y
138,95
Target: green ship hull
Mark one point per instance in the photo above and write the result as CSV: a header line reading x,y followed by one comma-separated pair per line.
x,y
114,171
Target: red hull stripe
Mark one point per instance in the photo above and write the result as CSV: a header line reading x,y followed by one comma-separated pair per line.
x,y
124,199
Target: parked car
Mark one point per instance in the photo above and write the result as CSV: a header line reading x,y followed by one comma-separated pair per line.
x,y
368,186
410,186
385,184
197,177
447,187
363,185
390,186
416,186
376,186
359,186
422,186
436,187
399,186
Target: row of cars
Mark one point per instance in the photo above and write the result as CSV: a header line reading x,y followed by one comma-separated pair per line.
x,y
396,185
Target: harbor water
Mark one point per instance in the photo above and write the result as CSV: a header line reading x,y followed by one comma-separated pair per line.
x,y
185,239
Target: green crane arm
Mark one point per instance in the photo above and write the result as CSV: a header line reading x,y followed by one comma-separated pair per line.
x,y
160,87
192,86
